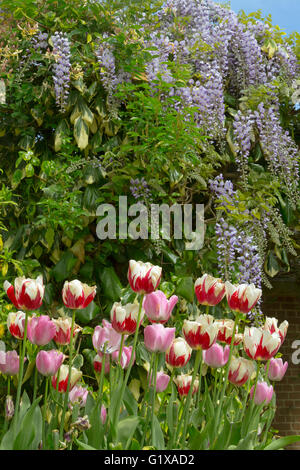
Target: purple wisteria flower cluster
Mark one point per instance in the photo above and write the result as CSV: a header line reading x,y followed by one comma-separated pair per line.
x,y
40,41
61,68
139,188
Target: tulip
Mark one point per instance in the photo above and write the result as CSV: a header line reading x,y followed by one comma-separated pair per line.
x,y
64,376
209,290
77,295
63,330
277,369
124,317
98,363
263,393
78,395
103,414
183,383
106,337
157,338
162,381
201,333
271,326
179,353
242,298
260,344
216,356
41,330
143,278
26,294
125,357
11,364
225,331
240,371
16,323
48,362
158,308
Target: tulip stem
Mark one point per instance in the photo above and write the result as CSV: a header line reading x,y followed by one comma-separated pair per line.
x,y
117,410
65,405
153,396
21,368
100,391
45,413
185,414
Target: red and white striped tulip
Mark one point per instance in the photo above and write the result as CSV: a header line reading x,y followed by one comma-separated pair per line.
x,y
201,333
184,382
209,290
77,295
158,308
277,369
216,356
48,362
143,278
263,393
225,332
271,324
41,330
63,378
157,338
16,323
63,330
260,344
98,363
240,370
26,293
179,353
243,297
124,317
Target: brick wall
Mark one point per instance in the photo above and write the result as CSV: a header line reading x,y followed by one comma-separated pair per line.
x,y
283,302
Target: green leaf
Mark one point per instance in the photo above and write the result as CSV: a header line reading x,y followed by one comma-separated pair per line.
x,y
282,442
158,436
81,133
83,446
185,288
110,284
126,429
85,315
64,267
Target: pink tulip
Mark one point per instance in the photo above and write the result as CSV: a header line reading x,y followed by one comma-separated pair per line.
x,y
103,414
26,294
16,323
216,356
157,338
78,395
260,344
77,295
263,393
125,357
209,290
48,362
98,363
277,369
106,337
158,308
41,330
272,327
242,298
179,353
184,382
11,364
64,376
201,333
63,330
162,381
124,317
143,278
240,371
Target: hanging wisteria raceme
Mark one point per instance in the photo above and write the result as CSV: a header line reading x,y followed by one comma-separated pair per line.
x,y
242,130
61,68
40,41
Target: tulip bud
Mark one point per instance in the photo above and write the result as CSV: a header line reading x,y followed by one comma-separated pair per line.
x,y
209,290
48,362
183,383
158,308
63,330
16,323
63,378
179,353
98,363
143,278
162,381
216,356
260,344
103,414
157,338
26,294
201,333
41,330
277,369
124,317
263,393
242,298
9,408
240,371
77,295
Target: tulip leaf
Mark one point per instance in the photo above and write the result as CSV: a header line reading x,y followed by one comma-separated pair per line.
x,y
158,436
30,429
126,429
83,446
282,442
